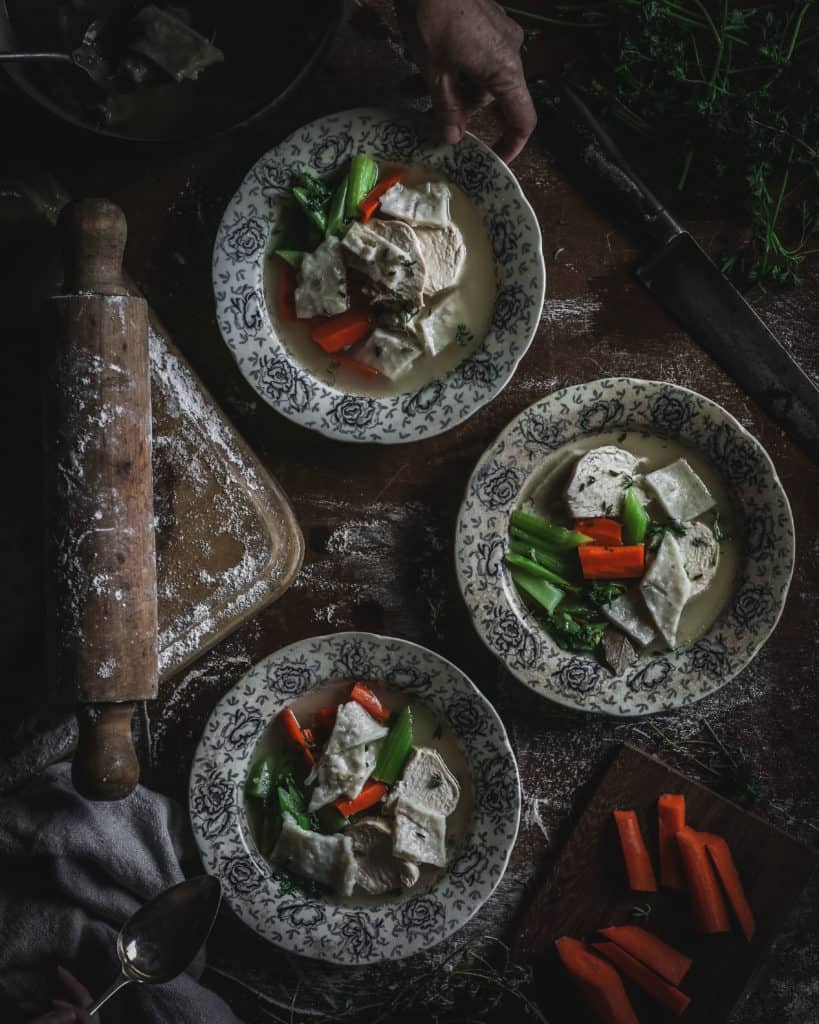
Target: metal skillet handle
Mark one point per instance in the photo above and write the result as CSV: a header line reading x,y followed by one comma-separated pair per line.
x,y
588,142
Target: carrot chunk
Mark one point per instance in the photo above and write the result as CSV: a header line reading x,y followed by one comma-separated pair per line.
x,y
287,292
369,795
612,563
340,331
723,860
638,863
370,203
601,529
671,818
368,700
666,995
710,912
354,364
599,982
295,732
666,961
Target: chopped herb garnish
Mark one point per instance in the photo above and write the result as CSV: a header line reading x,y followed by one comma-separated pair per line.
x,y
558,251
656,531
435,780
405,262
463,336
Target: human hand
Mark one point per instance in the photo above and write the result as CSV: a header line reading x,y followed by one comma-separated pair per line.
x,y
70,1010
469,52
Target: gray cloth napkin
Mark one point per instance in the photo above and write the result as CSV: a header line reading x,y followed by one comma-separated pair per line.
x,y
71,872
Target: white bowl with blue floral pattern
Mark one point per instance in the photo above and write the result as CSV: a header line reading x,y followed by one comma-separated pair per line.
x,y
273,906
668,680
248,232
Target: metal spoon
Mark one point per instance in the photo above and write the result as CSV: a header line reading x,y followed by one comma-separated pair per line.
x,y
98,54
160,940
86,58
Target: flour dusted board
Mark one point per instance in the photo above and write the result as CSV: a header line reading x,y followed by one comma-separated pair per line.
x,y
586,889
227,540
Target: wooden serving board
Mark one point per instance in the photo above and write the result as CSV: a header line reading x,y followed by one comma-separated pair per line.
x,y
227,540
586,889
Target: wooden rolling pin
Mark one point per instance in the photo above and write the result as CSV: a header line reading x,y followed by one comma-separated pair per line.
x,y
102,611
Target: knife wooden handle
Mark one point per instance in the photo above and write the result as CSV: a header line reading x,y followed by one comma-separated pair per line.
x,y
597,157
102,606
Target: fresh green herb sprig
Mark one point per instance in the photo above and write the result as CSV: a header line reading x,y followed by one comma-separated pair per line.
x,y
732,89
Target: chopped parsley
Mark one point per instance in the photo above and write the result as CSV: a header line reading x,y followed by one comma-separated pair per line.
x,y
463,336
435,781
656,531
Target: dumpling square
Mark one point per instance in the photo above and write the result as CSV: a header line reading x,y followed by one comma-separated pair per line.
x,y
420,834
666,588
389,353
680,491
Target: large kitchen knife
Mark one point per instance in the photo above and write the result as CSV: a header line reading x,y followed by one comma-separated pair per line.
x,y
682,277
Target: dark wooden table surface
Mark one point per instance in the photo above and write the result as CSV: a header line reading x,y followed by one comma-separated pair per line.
x,y
378,521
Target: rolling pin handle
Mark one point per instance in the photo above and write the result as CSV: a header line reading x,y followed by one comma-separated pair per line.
x,y
105,763
93,233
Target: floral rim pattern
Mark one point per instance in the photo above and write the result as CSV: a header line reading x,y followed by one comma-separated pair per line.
x,y
249,229
270,905
665,681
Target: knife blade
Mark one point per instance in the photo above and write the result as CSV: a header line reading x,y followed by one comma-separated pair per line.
x,y
683,278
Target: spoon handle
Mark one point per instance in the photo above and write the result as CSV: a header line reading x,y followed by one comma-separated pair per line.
x,y
121,982
22,57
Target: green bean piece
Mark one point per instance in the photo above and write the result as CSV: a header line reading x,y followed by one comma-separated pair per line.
x,y
292,256
541,591
335,215
331,820
291,802
521,562
396,749
524,543
261,780
363,176
271,826
554,537
635,519
315,210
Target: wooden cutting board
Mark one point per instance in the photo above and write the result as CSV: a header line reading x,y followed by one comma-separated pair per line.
x,y
227,540
586,889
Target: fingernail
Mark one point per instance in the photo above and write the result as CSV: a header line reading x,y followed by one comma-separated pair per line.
x,y
452,134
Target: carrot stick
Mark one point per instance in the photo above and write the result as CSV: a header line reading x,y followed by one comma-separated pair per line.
x,y
666,995
294,731
353,364
287,292
671,818
340,331
666,961
710,911
368,700
601,529
612,563
729,876
369,795
370,203
638,863
598,980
